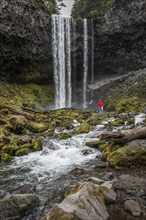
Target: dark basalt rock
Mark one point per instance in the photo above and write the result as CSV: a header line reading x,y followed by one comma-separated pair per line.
x,y
25,41
121,38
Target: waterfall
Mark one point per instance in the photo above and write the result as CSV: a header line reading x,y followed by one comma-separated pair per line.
x,y
64,47
85,63
61,46
92,57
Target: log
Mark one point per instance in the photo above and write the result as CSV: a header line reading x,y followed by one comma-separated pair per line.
x,y
18,112
30,110
124,136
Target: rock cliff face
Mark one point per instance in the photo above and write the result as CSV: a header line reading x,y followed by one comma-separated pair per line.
x,y
121,38
25,41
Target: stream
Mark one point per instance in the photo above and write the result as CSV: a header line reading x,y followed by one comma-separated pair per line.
x,y
47,173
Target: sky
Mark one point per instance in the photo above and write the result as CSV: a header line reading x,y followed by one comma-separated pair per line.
x,y
65,11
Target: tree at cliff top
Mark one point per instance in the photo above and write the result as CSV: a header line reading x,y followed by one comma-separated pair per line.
x,y
90,8
52,6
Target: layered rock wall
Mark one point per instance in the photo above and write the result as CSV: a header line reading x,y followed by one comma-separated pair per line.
x,y
25,41
121,38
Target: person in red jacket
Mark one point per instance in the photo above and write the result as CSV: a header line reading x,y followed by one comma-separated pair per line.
x,y
100,106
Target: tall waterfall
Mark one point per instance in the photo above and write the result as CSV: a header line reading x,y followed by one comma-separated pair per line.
x,y
85,63
61,46
67,58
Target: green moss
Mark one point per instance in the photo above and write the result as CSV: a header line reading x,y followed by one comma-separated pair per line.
x,y
21,152
4,140
109,149
102,146
64,136
33,96
117,122
127,104
127,156
37,144
6,157
59,214
37,127
91,9
17,123
93,144
74,190
10,149
83,128
131,121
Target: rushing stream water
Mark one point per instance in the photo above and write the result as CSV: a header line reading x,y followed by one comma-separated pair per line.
x,y
43,172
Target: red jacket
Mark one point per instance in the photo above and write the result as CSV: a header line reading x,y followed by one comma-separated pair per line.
x,y
100,104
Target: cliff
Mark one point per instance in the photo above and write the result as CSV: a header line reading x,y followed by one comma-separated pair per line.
x,y
25,41
121,38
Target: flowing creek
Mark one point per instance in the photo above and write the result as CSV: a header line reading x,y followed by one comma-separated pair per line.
x,y
48,172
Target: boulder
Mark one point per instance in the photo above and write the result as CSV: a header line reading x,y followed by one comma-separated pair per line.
x,y
83,128
37,127
87,203
17,124
15,206
132,207
128,156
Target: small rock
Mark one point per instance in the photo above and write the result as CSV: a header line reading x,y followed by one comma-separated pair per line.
x,y
2,194
108,176
96,180
132,207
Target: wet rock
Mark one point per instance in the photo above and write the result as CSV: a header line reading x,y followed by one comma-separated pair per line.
x,y
96,180
2,193
101,164
87,203
25,41
15,206
86,152
108,176
83,128
132,207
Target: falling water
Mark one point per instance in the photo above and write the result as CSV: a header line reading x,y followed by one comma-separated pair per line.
x,y
85,63
61,46
92,57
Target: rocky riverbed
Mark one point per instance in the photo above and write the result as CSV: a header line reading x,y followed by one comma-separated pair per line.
x,y
45,155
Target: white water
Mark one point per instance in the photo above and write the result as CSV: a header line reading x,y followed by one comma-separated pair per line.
x,y
85,63
58,157
61,46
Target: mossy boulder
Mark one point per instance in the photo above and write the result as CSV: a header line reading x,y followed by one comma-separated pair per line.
x,y
17,124
37,144
93,144
10,149
37,127
83,128
102,146
21,152
109,149
127,156
117,122
4,140
6,157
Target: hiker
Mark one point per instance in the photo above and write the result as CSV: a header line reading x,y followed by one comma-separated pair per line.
x,y
100,106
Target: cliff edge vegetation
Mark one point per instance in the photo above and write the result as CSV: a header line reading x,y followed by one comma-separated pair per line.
x,y
91,8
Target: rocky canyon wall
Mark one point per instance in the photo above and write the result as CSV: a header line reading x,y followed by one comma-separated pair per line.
x,y
25,41
121,38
